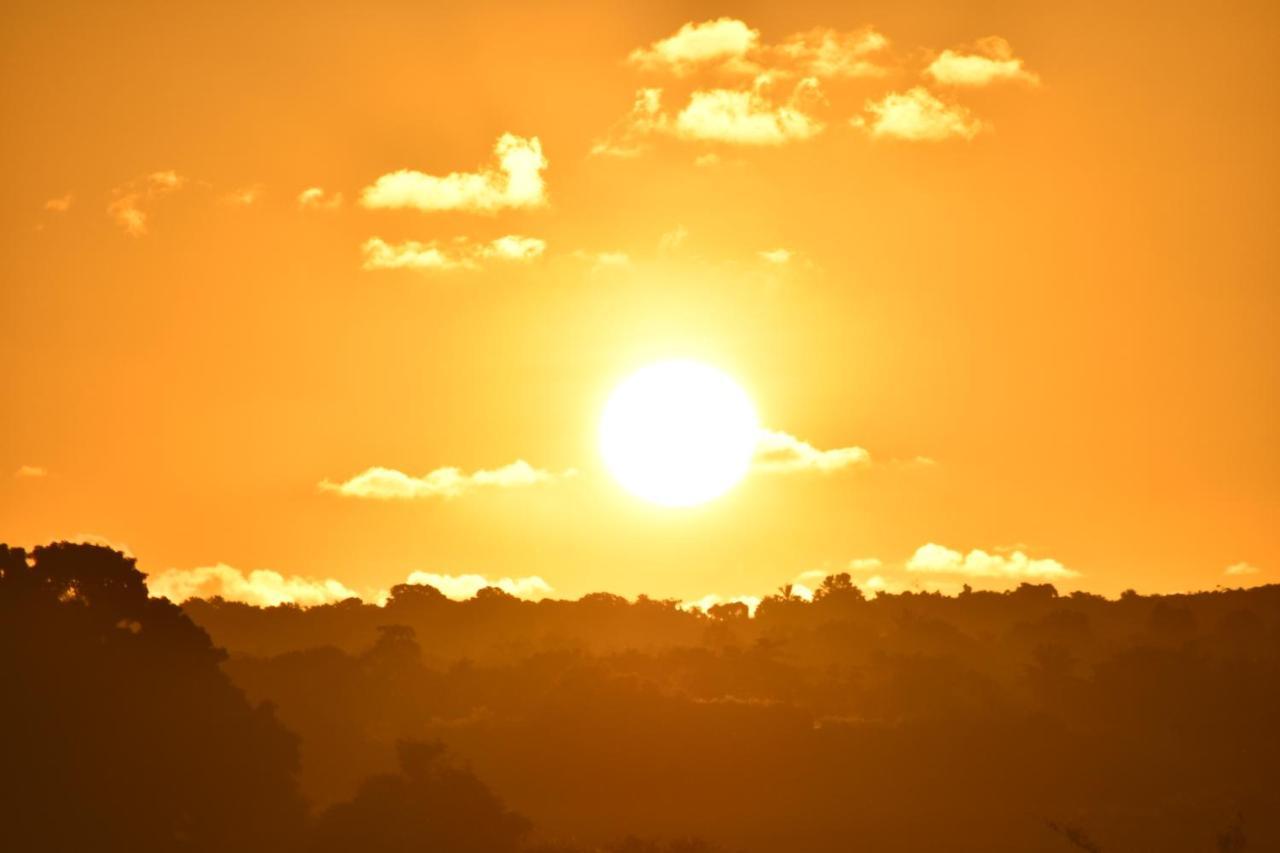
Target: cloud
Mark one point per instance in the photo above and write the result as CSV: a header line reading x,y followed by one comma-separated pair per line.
x,y
697,44
261,587
781,452
95,539
601,261
824,52
864,564
918,115
462,587
244,196
515,182
991,61
457,255
708,601
628,136
266,588
776,256
315,198
128,202
61,204
390,484
26,472
937,559
1240,569
673,239
750,116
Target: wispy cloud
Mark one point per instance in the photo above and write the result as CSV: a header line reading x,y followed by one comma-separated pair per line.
x,y
515,181
243,196
461,254
782,452
777,257
938,559
920,116
315,198
990,60
27,472
61,204
1241,570
824,52
128,207
390,484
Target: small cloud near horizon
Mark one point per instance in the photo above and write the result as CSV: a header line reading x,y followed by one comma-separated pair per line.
x,y
449,482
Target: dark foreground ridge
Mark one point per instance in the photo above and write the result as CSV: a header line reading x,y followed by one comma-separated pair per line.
x,y
1022,721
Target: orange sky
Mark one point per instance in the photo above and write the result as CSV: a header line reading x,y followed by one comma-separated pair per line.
x,y
1044,262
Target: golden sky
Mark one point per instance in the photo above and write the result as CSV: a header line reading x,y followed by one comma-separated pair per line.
x,y
1000,278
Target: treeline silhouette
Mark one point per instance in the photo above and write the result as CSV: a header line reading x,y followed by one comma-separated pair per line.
x,y
1023,720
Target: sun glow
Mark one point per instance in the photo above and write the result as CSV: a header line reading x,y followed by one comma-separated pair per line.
x,y
678,433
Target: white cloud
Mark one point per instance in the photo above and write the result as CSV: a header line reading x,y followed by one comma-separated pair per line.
x,y
698,44
128,202
462,587
261,587
516,181
864,564
825,52
266,588
779,451
937,559
1240,569
708,601
918,115
457,255
30,472
315,198
990,61
61,204
776,256
390,484
750,116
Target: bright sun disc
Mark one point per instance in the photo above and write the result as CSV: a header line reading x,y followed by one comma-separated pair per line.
x,y
678,433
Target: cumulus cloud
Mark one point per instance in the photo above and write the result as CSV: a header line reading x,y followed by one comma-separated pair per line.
x,y
825,52
61,204
25,472
750,116
129,202
462,587
390,484
781,452
461,254
315,198
918,115
266,588
261,587
938,559
1241,569
776,256
708,601
514,182
724,40
991,60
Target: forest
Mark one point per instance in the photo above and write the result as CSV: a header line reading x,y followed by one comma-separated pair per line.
x,y
1017,720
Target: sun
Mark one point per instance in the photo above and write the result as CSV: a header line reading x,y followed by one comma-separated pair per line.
x,y
678,433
